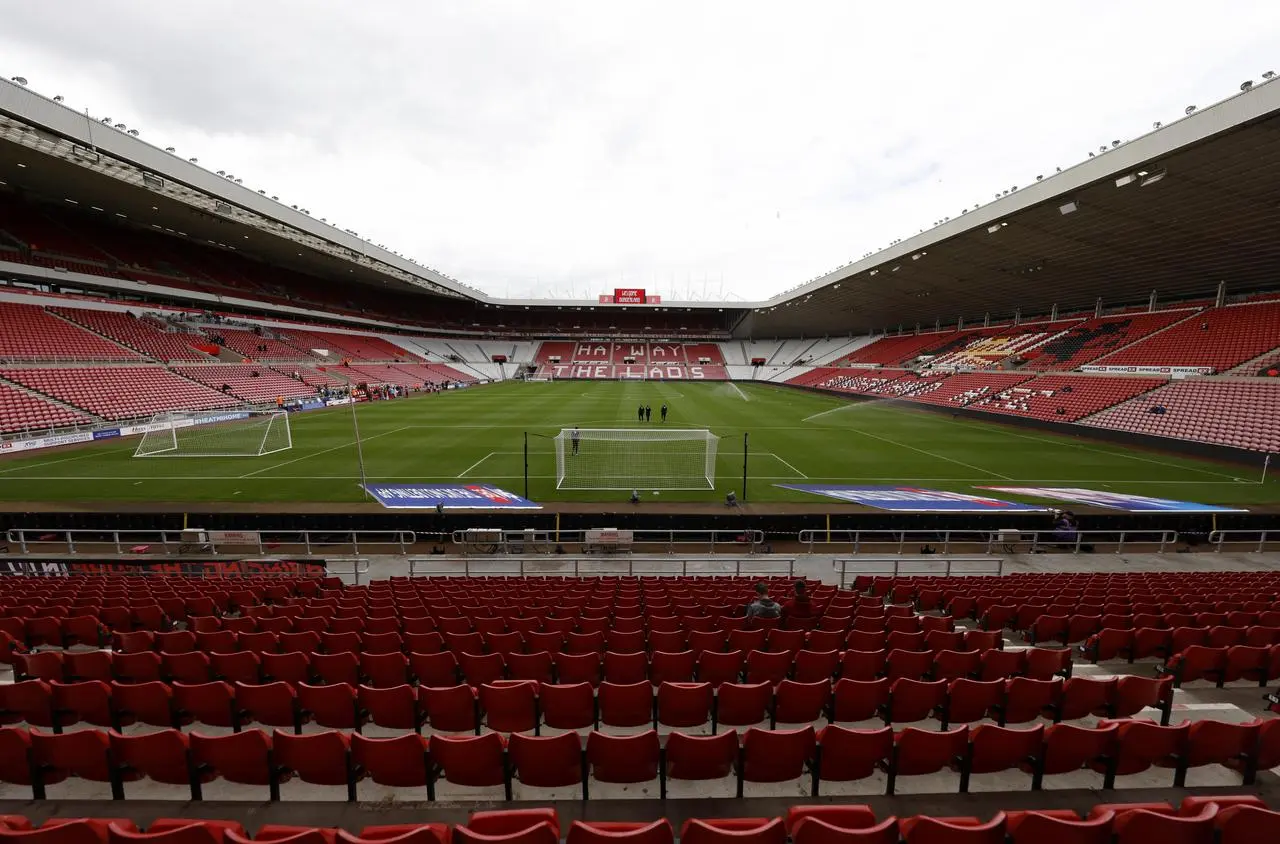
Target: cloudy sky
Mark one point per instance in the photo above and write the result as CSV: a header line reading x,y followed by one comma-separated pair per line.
x,y
702,149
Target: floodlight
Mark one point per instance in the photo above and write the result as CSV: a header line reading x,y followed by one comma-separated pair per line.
x,y
1127,178
1068,208
194,160
1189,109
21,80
1270,74
1246,85
1153,177
1038,178
170,149
1156,125
1115,144
1102,148
57,98
993,228
134,132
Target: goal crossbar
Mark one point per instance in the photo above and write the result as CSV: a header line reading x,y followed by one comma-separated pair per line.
x,y
635,458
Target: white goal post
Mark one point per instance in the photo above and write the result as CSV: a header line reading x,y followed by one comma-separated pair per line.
x,y
216,433
635,458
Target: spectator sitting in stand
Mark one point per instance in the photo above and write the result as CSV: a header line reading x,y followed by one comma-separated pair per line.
x,y
799,608
763,606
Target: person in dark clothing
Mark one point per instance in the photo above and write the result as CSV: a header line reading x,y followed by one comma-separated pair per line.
x,y
763,606
664,411
648,413
799,608
574,436
640,413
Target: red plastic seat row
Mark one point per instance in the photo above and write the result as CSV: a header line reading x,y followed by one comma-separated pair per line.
x,y
757,756
1111,643
1224,664
1226,819
503,706
38,626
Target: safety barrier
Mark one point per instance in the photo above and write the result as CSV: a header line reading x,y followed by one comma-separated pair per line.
x,y
487,542
338,567
1007,541
580,566
1256,540
201,541
932,566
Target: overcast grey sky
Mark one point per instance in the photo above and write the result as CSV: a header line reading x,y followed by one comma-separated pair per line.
x,y
549,148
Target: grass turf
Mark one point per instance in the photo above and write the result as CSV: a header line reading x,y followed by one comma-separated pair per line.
x,y
477,435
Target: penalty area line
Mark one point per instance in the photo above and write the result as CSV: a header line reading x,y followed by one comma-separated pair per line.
x,y
467,471
789,466
326,451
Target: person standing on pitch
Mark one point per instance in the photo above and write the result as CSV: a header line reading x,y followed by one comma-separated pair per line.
x,y
664,411
648,413
574,436
640,413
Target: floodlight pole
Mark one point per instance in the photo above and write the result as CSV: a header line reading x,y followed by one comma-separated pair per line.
x,y
745,435
355,427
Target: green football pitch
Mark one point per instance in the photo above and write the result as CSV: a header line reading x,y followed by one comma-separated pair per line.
x,y
477,435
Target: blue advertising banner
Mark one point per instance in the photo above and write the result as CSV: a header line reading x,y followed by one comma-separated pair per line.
x,y
1114,500
106,433
910,499
448,496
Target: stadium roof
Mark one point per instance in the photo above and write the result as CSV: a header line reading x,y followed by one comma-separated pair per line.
x,y
1176,211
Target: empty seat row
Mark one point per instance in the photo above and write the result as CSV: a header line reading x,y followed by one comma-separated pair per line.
x,y
527,705
1224,819
360,657
832,754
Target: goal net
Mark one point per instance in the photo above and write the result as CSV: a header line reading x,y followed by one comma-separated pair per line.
x,y
216,433
635,458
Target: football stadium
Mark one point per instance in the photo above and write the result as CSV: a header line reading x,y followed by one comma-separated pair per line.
x,y
972,539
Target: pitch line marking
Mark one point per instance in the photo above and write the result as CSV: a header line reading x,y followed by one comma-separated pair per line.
x,y
467,470
326,451
789,466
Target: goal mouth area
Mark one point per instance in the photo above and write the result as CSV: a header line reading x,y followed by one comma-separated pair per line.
x,y
654,458
216,434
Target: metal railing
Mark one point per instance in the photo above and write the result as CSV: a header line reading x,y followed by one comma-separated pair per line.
x,y
486,542
1048,541
912,566
1007,541
1256,540
336,567
888,541
632,566
202,541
